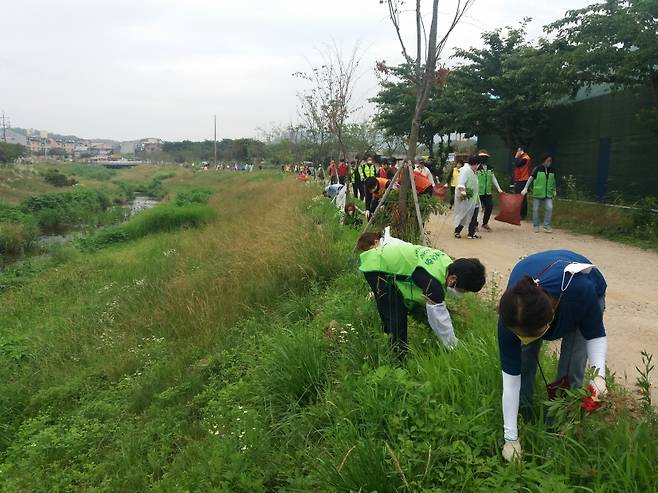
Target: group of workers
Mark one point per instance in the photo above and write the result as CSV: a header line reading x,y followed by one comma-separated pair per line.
x,y
472,183
550,295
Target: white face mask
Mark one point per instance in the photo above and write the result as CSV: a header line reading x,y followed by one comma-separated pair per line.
x,y
454,293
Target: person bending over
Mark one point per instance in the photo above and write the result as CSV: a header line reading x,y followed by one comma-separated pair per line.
x,y
402,275
374,188
551,295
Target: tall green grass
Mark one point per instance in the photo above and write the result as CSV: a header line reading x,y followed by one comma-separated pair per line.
x,y
246,356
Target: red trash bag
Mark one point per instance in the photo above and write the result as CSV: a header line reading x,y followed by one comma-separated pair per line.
x,y
440,191
303,177
510,208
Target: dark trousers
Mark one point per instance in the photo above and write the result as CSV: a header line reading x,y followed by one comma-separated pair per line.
x,y
487,206
391,307
472,226
368,200
452,196
518,186
356,188
362,191
342,180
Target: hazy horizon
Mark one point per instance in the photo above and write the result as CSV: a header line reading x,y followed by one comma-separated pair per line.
x,y
128,70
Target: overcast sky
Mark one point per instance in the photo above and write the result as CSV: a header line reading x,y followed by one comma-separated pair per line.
x,y
127,69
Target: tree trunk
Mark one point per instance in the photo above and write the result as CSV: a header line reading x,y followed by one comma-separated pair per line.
x,y
424,83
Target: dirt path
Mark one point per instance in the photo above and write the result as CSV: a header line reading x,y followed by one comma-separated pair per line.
x,y
631,316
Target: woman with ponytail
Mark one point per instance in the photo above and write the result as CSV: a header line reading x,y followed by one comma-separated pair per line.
x,y
551,295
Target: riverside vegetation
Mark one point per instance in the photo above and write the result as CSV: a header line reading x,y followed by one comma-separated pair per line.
x,y
245,355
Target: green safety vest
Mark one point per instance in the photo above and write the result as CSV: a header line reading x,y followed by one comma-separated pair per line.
x,y
366,170
485,181
400,260
543,186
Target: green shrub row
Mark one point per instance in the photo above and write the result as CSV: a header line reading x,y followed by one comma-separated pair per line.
x,y
162,218
194,196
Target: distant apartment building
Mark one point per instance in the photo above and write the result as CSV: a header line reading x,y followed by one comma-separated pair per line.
x,y
34,143
129,146
149,145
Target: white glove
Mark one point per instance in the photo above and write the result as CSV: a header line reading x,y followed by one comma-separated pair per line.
x,y
439,319
598,387
512,451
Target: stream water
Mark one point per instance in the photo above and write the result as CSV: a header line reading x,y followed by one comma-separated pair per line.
x,y
137,204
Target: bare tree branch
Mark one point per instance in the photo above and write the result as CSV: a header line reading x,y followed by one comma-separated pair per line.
x,y
394,15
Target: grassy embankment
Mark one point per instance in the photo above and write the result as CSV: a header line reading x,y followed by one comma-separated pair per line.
x,y
636,227
245,356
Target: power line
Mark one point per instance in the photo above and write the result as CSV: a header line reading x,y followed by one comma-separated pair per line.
x,y
5,124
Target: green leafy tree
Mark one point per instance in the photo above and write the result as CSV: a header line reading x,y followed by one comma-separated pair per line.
x,y
11,152
361,138
506,87
396,102
614,42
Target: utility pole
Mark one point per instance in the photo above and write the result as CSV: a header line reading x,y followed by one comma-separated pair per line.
x,y
215,140
5,124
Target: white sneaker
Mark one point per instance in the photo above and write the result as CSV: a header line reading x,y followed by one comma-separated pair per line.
x,y
536,229
547,229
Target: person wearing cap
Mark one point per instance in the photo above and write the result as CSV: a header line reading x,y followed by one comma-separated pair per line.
x,y
551,295
402,275
467,201
486,181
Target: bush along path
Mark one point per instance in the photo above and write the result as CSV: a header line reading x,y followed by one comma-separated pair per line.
x,y
265,369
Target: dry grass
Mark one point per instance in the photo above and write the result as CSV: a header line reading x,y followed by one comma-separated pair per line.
x,y
20,181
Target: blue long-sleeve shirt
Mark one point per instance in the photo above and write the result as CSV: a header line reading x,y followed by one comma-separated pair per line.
x,y
579,307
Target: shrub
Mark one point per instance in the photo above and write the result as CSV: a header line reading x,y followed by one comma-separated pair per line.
x,y
58,211
92,172
57,179
390,214
194,196
15,238
18,231
162,218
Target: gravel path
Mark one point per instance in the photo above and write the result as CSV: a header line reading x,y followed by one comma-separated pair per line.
x,y
631,315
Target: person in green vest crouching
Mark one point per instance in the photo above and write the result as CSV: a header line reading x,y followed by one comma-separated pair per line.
x,y
402,275
544,189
